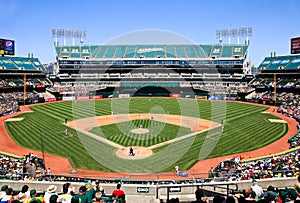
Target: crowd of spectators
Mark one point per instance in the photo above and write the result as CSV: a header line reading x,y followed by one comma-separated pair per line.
x,y
290,105
88,193
27,167
255,193
286,165
289,102
9,102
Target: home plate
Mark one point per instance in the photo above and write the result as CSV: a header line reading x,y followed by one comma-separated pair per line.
x,y
13,119
140,152
277,121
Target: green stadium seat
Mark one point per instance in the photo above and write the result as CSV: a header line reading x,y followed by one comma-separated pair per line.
x,y
110,51
265,63
85,51
207,49
216,51
227,51
23,63
75,52
170,51
58,51
293,64
238,51
200,51
94,50
191,51
180,51
101,51
6,63
65,51
120,51
37,63
130,52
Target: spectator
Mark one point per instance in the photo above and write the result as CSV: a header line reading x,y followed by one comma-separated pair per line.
x,y
67,192
256,188
51,190
81,195
118,193
34,198
98,197
90,193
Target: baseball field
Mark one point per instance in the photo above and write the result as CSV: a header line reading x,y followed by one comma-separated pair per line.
x,y
169,131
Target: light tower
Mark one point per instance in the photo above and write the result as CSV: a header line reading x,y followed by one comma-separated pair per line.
x,y
68,34
234,33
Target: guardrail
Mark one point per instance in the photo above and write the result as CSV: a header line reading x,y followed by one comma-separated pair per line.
x,y
215,187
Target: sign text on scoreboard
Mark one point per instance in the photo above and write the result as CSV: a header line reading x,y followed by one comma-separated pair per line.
x,y
295,45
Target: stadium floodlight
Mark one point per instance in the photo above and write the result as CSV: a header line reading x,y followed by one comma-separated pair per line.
x,y
68,34
234,33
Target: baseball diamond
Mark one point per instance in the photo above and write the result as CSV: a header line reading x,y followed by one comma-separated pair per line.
x,y
47,119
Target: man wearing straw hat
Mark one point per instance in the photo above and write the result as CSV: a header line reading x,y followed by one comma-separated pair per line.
x,y
51,190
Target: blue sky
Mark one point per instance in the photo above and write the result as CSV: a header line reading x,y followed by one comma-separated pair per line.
x,y
29,22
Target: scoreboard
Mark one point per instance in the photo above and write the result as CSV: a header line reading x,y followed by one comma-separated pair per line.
x,y
7,47
295,45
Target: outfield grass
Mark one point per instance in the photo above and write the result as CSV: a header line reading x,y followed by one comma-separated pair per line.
x,y
246,128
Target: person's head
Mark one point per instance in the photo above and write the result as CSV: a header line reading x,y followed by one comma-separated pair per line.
x,y
118,186
33,193
246,192
270,196
9,191
230,199
218,199
65,188
25,188
98,196
82,190
53,198
199,192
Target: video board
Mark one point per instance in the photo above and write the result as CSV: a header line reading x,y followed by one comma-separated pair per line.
x,y
295,45
7,47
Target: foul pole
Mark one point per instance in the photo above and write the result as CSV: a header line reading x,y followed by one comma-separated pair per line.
x,y
275,88
24,88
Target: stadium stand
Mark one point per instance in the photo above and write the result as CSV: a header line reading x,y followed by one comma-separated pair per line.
x,y
273,166
149,65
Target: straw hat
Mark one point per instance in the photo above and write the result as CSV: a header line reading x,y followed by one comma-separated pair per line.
x,y
51,189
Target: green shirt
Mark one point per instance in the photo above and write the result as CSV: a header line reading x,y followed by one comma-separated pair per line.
x,y
90,194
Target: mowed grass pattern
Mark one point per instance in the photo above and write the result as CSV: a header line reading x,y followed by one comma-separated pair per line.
x,y
158,132
246,128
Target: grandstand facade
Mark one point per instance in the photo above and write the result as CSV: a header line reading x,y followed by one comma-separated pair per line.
x,y
13,69
277,75
152,70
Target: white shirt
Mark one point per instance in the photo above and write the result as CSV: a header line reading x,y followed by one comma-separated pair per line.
x,y
257,189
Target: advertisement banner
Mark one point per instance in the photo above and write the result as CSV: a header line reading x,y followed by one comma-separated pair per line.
x,y
175,95
82,98
124,95
50,100
96,97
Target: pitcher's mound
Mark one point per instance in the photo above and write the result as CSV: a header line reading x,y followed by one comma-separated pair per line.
x,y
139,130
140,153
